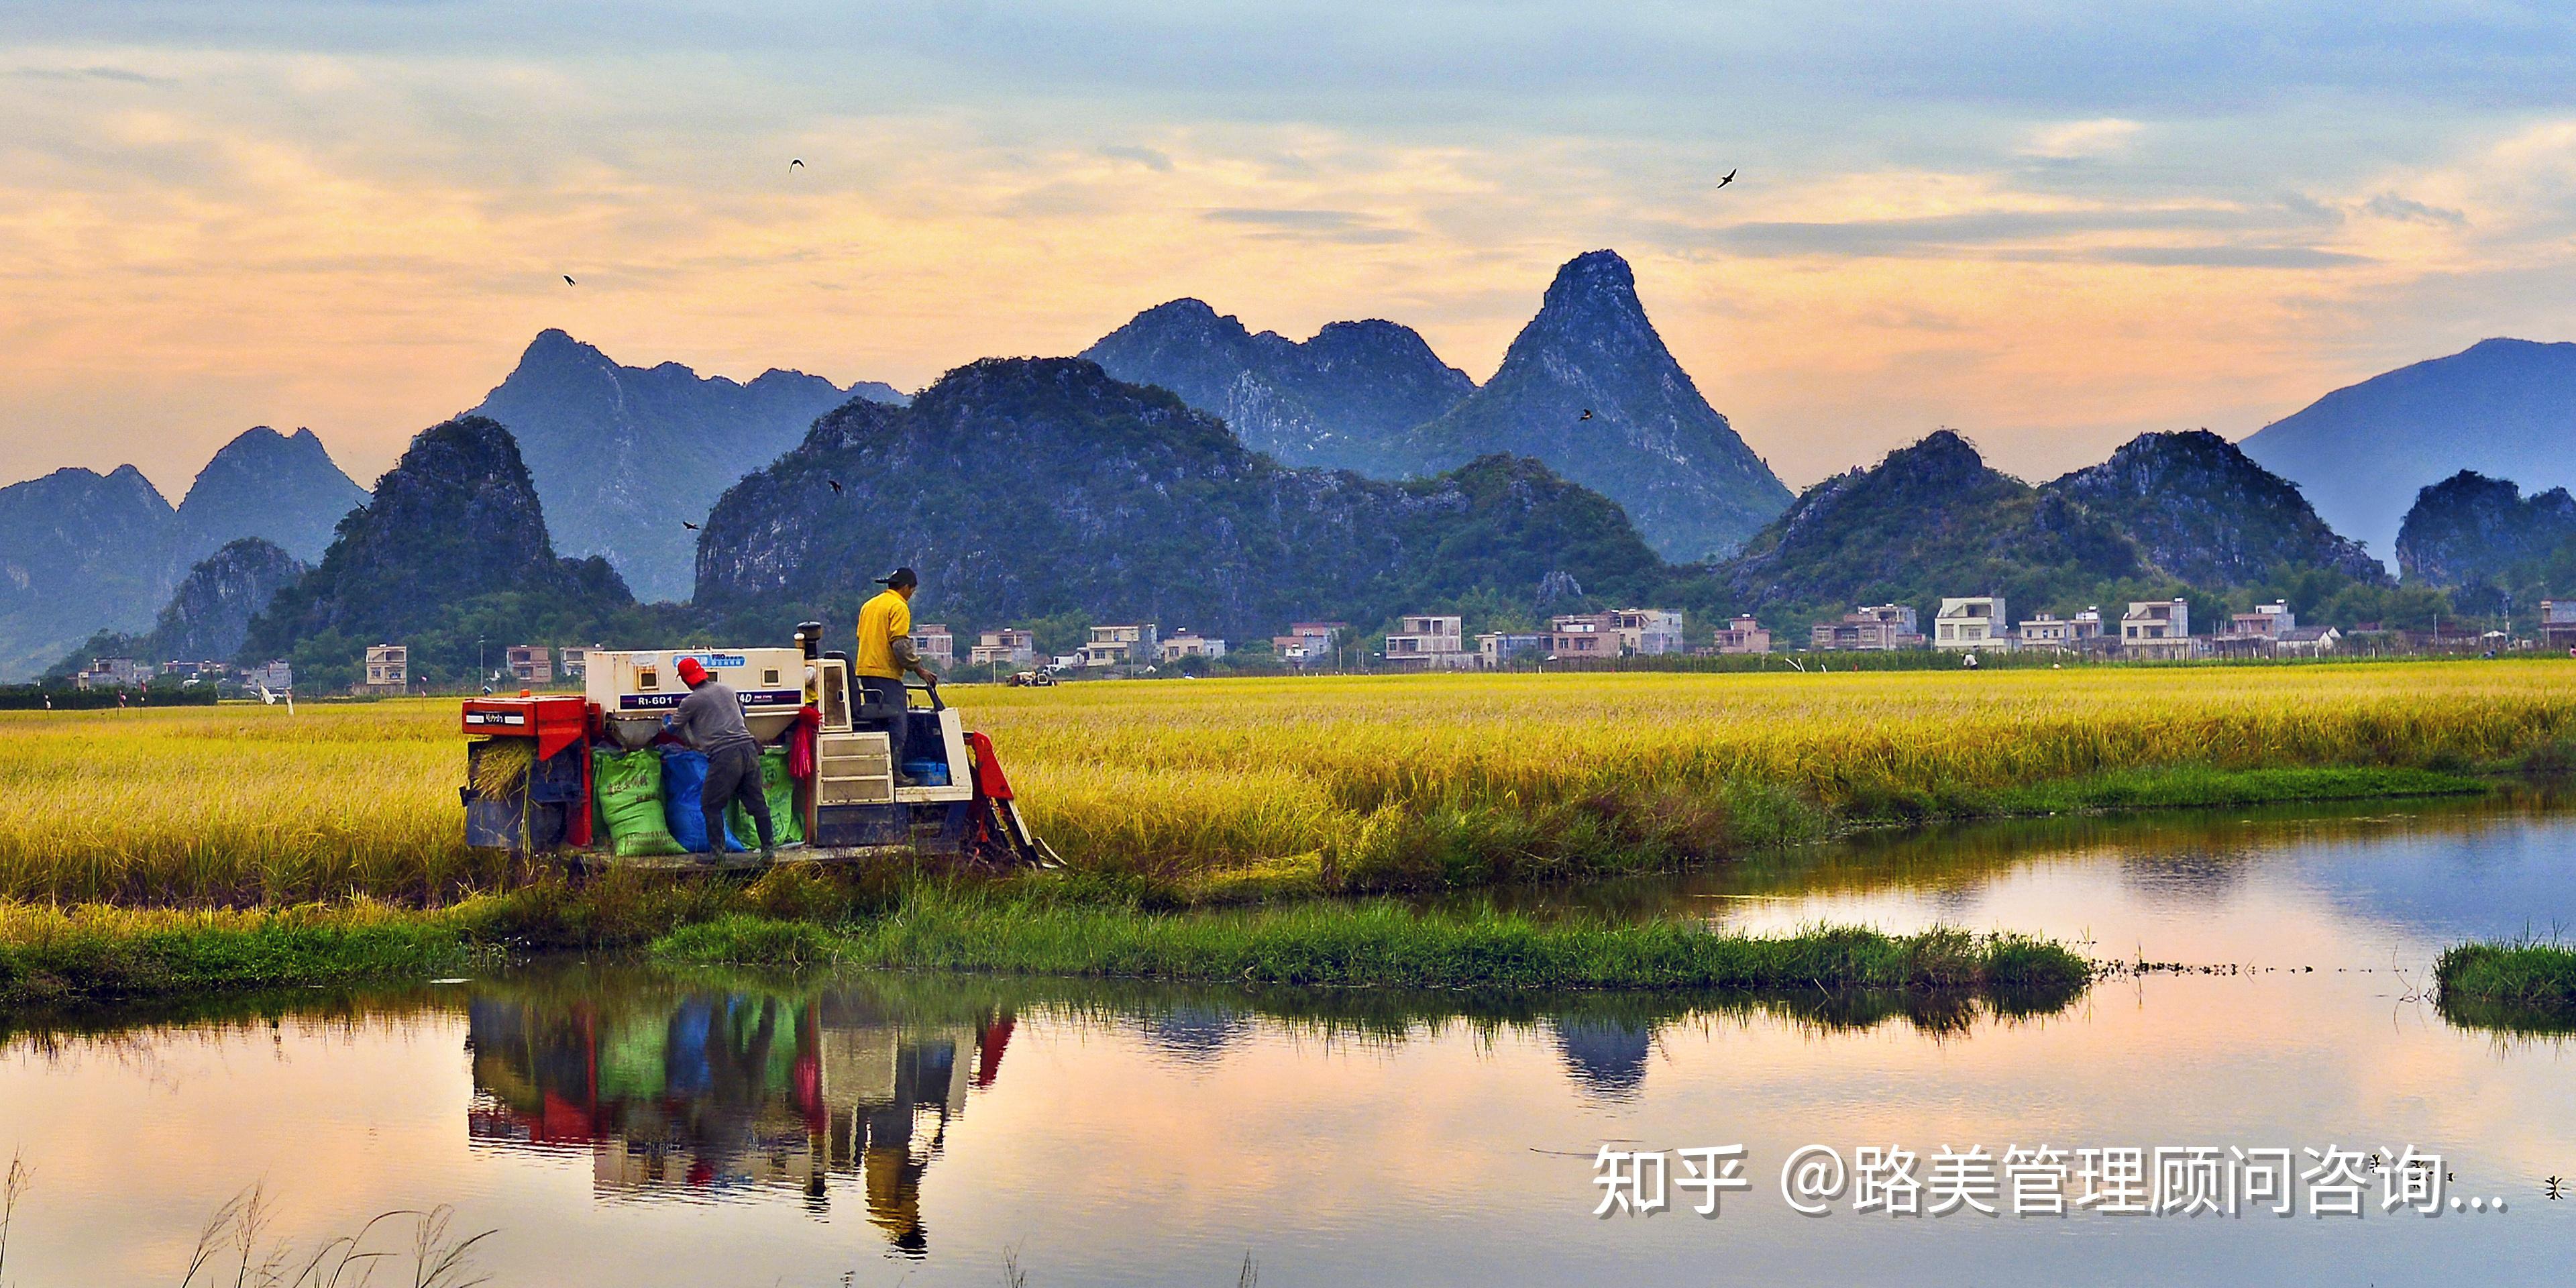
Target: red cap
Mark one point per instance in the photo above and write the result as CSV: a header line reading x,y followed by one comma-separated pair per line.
x,y
691,673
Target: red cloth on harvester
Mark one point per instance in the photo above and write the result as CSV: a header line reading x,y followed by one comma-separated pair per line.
x,y
800,743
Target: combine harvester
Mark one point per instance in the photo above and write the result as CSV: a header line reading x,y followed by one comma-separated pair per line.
x,y
531,785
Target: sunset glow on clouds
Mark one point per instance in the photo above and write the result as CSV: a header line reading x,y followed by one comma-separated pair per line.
x,y
2049,228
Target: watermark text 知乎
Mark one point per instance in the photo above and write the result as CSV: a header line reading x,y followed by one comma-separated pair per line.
x,y
2041,1181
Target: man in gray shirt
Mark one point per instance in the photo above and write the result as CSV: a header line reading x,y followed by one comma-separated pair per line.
x,y
710,720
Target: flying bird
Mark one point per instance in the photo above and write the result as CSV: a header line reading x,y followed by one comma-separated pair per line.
x,y
690,526
836,486
1730,178
568,279
1587,414
796,164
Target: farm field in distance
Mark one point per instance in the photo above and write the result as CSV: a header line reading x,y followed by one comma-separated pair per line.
x,y
1251,786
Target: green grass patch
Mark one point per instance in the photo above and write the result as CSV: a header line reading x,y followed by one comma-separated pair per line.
x,y
2525,987
2203,787
1373,943
78,959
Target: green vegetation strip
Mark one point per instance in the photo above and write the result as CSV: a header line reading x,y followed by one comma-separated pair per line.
x,y
2519,987
53,959
89,960
1372,944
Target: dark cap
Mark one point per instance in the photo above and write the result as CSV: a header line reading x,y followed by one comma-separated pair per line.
x,y
900,578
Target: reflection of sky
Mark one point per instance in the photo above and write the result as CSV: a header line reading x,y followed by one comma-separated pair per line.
x,y
1103,1157
2049,225
2391,895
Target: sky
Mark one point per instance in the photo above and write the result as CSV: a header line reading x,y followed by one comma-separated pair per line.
x,y
2049,226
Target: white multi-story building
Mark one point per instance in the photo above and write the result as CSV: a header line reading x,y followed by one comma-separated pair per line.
x,y
2157,629
1973,622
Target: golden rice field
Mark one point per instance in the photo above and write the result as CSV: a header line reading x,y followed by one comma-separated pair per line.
x,y
1333,782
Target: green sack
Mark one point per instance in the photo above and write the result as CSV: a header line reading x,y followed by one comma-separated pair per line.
x,y
784,823
627,788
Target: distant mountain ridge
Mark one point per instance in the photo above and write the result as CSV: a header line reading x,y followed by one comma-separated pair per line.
x,y
83,552
2204,512
1651,442
80,552
623,455
2503,408
2167,513
1341,400
1932,519
1587,387
283,488
1021,488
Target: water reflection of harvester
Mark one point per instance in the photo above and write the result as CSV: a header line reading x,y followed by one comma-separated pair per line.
x,y
701,1092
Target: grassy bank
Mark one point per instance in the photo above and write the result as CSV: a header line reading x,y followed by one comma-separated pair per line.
x,y
1370,943
2518,987
1268,786
101,955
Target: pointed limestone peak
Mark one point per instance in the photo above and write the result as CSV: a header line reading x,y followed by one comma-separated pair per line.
x,y
1589,388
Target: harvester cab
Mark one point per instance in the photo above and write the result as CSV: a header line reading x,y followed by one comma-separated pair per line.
x,y
827,759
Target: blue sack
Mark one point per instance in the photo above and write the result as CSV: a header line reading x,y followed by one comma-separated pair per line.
x,y
684,781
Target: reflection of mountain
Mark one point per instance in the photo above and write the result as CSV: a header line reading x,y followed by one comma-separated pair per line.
x,y
1606,1056
2188,873
696,1091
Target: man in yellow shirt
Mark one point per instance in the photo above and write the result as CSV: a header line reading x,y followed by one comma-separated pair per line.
x,y
886,652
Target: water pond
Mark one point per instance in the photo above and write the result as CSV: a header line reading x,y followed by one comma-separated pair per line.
x,y
619,1126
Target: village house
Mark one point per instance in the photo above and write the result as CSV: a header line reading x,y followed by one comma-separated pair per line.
x,y
1743,634
1311,643
1648,632
935,642
572,661
2307,641
276,676
388,668
1871,628
202,670
1005,647
1189,643
2157,630
1429,642
2558,623
2255,634
1129,645
2050,631
1582,637
113,673
530,663
1497,650
1973,622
